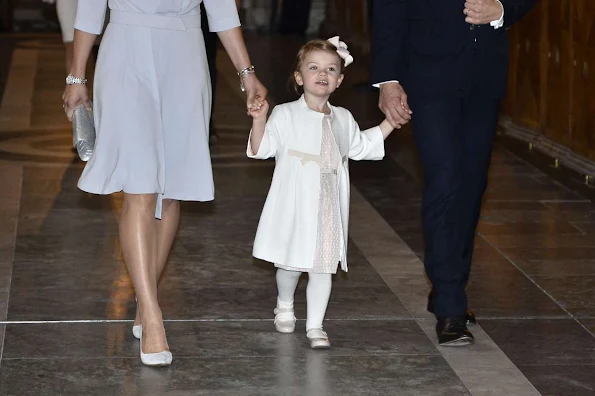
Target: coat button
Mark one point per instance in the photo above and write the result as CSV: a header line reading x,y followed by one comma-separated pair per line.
x,y
472,27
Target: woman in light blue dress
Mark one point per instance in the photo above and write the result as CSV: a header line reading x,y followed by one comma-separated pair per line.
x,y
152,106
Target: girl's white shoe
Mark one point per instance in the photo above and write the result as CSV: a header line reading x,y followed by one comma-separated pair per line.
x,y
154,359
284,320
318,339
136,331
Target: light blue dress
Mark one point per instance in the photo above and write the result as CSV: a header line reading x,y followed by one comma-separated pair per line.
x,y
152,97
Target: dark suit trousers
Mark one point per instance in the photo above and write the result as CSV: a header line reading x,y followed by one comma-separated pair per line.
x,y
454,138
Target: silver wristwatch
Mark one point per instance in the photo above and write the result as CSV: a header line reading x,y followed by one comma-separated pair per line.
x,y
70,80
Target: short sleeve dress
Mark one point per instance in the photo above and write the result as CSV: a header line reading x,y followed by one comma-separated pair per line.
x,y
152,97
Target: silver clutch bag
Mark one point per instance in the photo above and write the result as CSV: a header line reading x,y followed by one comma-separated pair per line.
x,y
83,132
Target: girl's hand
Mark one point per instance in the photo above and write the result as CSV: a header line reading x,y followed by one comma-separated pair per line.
x,y
260,113
74,96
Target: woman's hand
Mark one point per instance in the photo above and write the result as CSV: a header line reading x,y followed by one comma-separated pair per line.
x,y
260,113
255,91
74,96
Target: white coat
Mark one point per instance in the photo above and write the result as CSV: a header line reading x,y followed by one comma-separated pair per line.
x,y
287,231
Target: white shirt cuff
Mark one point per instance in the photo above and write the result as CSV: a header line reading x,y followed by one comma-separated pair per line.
x,y
497,24
377,85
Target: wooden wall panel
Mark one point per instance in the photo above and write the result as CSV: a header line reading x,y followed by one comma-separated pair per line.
x,y
558,69
528,71
508,104
560,102
583,78
349,19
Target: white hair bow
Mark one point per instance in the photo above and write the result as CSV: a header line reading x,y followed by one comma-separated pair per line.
x,y
341,50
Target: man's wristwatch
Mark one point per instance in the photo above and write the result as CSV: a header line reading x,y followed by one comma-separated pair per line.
x,y
71,80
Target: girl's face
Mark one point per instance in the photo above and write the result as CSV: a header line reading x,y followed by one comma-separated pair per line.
x,y
320,73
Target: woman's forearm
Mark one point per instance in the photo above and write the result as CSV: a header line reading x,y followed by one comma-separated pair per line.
x,y
83,44
233,42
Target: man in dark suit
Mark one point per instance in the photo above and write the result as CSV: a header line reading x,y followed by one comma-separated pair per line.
x,y
444,65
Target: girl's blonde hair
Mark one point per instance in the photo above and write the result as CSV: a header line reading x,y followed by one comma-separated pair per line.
x,y
311,46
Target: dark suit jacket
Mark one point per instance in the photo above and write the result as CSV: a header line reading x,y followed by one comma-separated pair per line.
x,y
433,52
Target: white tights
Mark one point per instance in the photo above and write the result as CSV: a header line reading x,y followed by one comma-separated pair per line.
x,y
317,294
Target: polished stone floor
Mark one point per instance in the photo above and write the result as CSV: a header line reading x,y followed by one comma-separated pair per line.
x,y
66,302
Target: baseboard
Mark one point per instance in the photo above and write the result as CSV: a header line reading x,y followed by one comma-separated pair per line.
x,y
556,160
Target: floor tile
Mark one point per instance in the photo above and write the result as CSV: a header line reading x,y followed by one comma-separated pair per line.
x,y
48,377
548,261
542,341
214,339
115,301
573,211
560,379
513,211
312,374
576,294
536,241
527,188
589,324
587,227
507,292
540,229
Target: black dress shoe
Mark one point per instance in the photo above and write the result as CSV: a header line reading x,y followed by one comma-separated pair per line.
x,y
469,315
452,331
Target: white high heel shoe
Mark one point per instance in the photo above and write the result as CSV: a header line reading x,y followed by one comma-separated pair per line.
x,y
136,331
154,359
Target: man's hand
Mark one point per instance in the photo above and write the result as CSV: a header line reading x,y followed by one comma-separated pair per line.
x,y
482,12
393,103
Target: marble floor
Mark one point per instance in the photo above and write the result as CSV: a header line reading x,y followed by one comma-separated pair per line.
x,y
67,303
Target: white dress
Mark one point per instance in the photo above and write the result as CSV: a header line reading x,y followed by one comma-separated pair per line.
x,y
152,97
329,242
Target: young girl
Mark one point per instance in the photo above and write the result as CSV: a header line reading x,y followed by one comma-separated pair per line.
x,y
303,226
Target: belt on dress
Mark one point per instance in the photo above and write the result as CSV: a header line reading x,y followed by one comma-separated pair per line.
x,y
307,157
328,171
155,21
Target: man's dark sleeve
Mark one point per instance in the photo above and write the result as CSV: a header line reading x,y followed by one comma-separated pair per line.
x,y
389,26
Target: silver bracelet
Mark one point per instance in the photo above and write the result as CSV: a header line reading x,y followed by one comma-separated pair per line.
x,y
243,73
71,80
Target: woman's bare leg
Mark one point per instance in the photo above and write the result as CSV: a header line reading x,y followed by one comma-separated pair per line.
x,y
166,232
138,236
